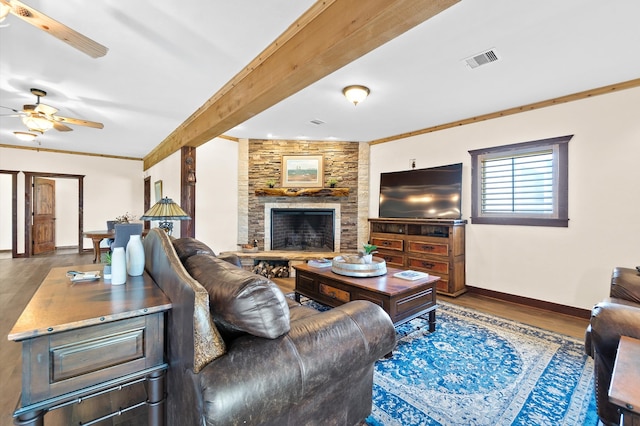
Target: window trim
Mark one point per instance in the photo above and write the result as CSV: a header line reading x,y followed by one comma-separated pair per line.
x,y
560,218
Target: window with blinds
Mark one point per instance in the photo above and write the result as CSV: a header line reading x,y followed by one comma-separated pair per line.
x,y
521,184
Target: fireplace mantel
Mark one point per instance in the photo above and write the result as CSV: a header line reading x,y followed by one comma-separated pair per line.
x,y
302,192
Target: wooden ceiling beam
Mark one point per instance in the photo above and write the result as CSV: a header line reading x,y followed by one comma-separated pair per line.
x,y
330,35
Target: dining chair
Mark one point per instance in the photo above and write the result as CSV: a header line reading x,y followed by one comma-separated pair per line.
x,y
123,231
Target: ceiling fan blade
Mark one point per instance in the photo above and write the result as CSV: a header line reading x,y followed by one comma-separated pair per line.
x,y
57,29
45,109
12,109
61,127
79,122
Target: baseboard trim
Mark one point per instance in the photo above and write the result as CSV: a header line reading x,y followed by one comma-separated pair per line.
x,y
534,303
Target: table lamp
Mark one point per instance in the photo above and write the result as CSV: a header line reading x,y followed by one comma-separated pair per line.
x,y
166,211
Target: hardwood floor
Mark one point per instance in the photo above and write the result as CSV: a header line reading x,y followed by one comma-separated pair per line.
x,y
19,279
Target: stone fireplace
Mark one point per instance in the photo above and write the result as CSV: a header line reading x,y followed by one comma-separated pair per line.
x,y
302,226
260,161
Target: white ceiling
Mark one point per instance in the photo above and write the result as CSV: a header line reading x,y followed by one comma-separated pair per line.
x,y
167,58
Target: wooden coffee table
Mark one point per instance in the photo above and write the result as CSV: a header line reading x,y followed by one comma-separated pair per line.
x,y
403,300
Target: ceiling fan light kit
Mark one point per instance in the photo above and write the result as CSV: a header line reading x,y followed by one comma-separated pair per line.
x,y
25,136
39,117
36,123
356,93
4,11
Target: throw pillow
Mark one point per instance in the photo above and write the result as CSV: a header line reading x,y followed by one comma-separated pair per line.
x,y
187,247
240,301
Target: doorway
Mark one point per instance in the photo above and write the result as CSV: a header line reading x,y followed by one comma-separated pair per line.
x,y
30,208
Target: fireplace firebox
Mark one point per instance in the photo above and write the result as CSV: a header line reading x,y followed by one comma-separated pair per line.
x,y
302,229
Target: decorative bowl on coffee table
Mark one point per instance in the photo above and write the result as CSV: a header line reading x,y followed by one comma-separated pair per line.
x,y
344,265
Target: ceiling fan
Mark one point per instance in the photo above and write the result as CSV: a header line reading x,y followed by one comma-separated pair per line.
x,y
40,117
51,26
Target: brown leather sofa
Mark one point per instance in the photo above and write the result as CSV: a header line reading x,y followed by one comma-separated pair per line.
x,y
240,353
618,315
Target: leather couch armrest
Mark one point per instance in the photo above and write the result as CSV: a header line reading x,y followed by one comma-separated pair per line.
x,y
609,321
318,353
625,284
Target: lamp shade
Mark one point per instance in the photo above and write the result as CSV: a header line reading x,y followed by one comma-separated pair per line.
x,y
165,211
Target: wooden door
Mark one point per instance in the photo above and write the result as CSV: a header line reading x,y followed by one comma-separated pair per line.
x,y
43,231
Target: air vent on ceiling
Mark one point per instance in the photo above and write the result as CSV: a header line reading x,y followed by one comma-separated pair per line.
x,y
316,122
482,59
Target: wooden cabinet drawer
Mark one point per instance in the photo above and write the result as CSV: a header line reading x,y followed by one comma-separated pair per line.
x,y
428,247
438,267
335,293
80,358
86,356
392,259
388,243
414,303
305,283
443,285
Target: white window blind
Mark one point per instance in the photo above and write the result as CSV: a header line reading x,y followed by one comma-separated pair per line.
x,y
518,184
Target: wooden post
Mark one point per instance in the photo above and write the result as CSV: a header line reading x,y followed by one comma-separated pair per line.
x,y
188,190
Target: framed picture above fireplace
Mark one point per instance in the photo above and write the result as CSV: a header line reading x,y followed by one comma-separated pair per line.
x,y
302,171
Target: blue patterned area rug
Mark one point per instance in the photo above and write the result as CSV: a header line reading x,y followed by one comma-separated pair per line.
x,y
478,369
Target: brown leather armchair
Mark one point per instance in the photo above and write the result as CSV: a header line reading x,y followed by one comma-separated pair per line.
x,y
618,315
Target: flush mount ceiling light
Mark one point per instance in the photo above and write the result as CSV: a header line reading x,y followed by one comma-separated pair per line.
x,y
356,93
24,136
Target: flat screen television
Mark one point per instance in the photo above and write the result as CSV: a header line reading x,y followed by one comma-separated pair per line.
x,y
433,193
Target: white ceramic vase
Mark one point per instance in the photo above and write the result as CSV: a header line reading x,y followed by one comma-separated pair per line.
x,y
118,266
135,256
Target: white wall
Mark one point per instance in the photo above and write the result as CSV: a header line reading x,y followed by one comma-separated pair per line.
x,y
5,211
112,187
217,194
67,214
570,266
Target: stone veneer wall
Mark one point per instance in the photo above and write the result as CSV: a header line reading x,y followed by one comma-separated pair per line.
x,y
341,160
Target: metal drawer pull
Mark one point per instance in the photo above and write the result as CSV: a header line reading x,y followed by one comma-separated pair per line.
x,y
386,243
424,247
428,265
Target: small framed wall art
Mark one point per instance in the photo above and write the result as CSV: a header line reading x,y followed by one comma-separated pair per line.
x,y
302,171
158,189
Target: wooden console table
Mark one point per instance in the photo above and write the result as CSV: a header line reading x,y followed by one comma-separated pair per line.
x,y
403,300
625,382
87,338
